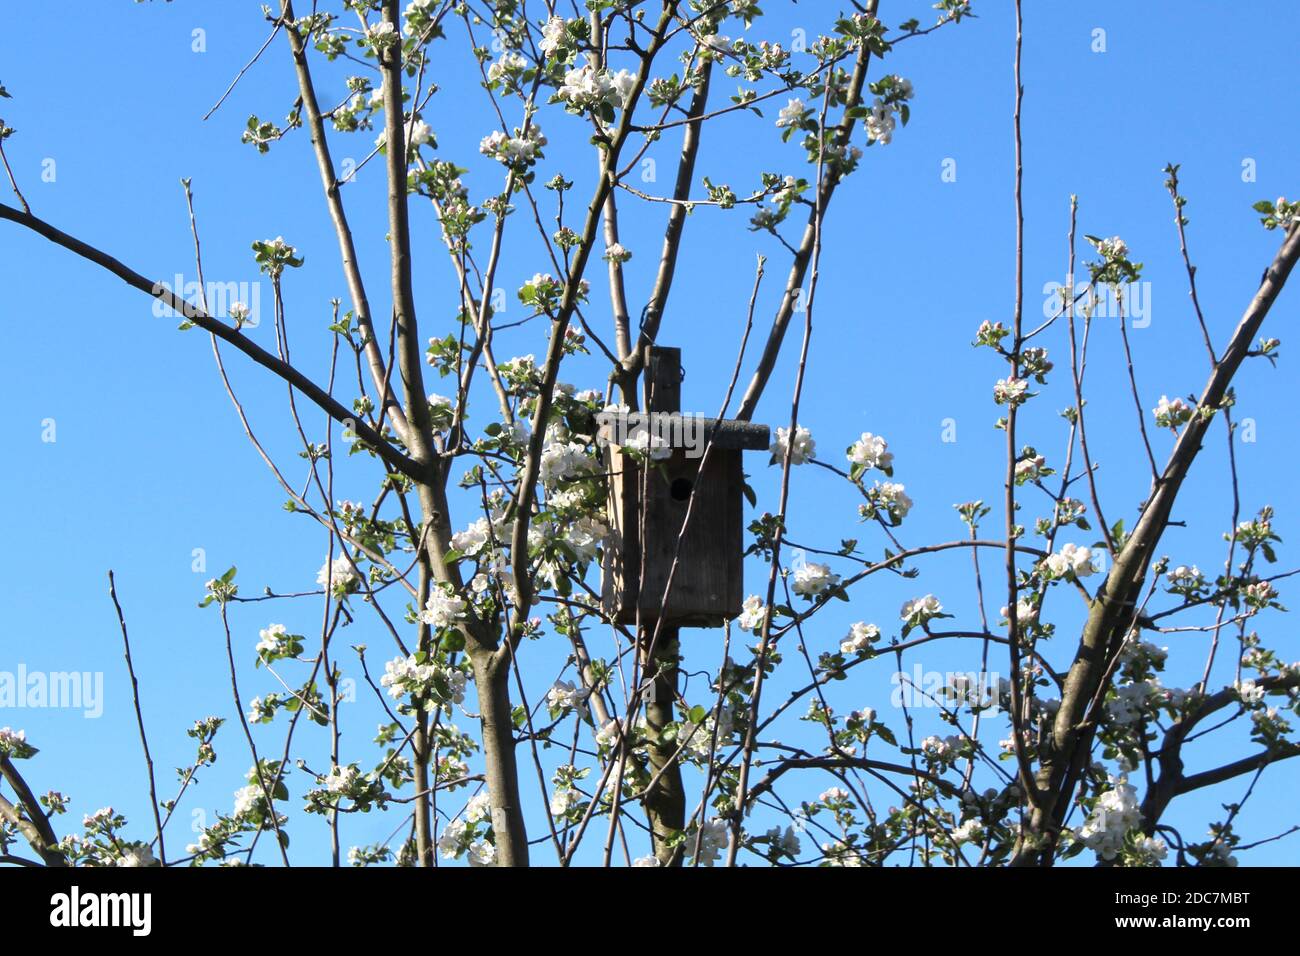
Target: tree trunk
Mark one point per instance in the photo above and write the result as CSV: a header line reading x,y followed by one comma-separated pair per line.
x,y
665,801
492,676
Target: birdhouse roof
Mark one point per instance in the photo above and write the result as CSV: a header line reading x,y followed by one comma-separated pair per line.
x,y
677,430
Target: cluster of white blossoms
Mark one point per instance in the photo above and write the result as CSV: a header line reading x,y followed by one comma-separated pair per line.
x,y
880,123
617,252
608,735
512,63
890,497
880,120
563,695
1259,593
834,798
100,818
840,853
1030,469
1070,560
655,447
340,779
14,745
791,115
713,837
1026,612
443,609
942,750
381,35
1133,701
419,133
1170,413
1112,248
544,291
457,840
918,611
277,643
1251,693
564,799
1114,815
1282,215
812,579
860,638
1150,850
248,799
804,448
136,854
584,536
784,841
972,831
417,9
471,541
1185,578
519,151
752,614
479,807
554,35
1010,391
871,451
586,88
562,459
339,576
699,738
407,675
714,42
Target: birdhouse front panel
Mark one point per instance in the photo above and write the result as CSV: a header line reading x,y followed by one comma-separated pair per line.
x,y
708,581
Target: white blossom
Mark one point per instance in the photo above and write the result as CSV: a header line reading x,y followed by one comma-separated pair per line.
x,y
1026,612
1114,815
786,841
1172,412
338,575
1071,559
880,123
871,451
752,614
482,853
443,609
972,831
811,579
553,35
564,695
714,835
804,449
791,114
340,779
1010,391
137,854
420,133
1113,248
471,541
12,741
860,638
919,610
586,88
479,807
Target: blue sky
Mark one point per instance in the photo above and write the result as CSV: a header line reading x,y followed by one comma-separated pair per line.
x,y
150,462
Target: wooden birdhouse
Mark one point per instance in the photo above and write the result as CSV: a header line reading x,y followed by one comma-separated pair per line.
x,y
648,504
